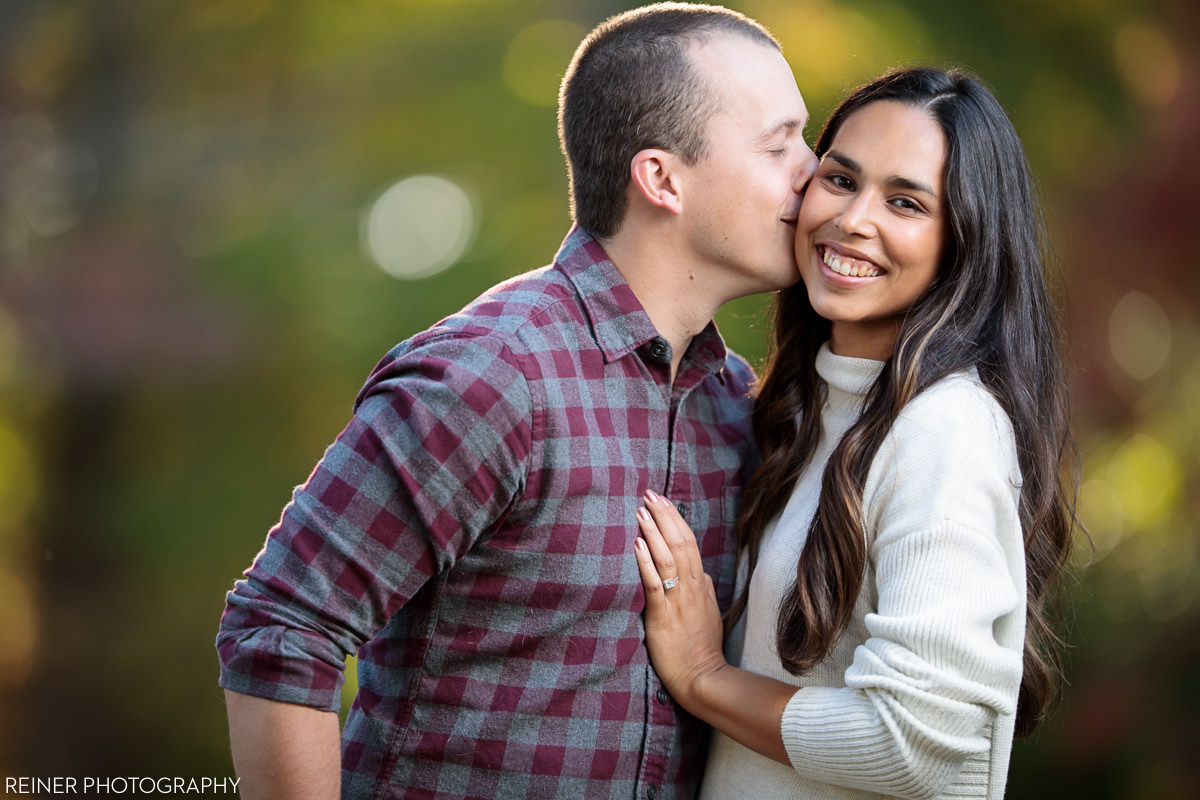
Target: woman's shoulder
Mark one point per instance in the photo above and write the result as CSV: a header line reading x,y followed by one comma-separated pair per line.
x,y
950,455
956,412
953,432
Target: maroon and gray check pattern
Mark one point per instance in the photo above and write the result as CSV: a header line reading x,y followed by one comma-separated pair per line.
x,y
470,536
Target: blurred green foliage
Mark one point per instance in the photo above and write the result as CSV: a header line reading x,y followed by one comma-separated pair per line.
x,y
189,301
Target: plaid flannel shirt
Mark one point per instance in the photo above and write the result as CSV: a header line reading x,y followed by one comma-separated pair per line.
x,y
470,536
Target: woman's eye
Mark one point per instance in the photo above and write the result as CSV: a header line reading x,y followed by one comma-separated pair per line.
x,y
904,204
841,182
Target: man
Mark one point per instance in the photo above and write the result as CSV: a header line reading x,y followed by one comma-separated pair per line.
x,y
470,533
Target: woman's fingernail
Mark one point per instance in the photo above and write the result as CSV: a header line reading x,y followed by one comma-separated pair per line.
x,y
651,497
644,514
639,543
667,502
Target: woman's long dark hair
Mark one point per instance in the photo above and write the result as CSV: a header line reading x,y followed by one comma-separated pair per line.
x,y
989,307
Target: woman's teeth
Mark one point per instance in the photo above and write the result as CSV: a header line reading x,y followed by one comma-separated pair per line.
x,y
848,266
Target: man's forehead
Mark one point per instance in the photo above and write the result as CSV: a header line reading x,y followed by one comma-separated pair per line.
x,y
749,84
723,45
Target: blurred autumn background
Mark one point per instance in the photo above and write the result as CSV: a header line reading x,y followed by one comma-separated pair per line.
x,y
215,215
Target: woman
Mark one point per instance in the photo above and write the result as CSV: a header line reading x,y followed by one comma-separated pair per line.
x,y
898,543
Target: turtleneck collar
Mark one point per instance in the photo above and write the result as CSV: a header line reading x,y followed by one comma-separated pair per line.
x,y
848,378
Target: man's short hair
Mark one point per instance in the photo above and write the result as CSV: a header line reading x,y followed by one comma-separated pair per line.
x,y
631,86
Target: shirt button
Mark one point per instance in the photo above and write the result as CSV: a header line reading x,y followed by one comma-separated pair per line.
x,y
659,349
662,696
682,509
652,792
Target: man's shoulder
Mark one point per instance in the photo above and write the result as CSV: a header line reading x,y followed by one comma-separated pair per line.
x,y
739,369
737,378
503,311
495,326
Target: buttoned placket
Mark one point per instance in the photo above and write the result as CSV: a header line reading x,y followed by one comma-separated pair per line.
x,y
662,713
660,716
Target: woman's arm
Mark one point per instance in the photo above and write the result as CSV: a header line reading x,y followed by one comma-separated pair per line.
x,y
935,683
930,696
683,634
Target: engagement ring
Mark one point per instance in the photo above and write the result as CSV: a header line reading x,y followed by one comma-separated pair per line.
x,y
669,583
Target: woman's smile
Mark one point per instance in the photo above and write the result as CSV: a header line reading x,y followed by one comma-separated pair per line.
x,y
847,265
870,234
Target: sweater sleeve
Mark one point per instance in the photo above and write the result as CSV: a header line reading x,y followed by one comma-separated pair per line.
x,y
943,656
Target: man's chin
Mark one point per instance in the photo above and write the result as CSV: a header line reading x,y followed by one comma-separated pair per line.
x,y
787,277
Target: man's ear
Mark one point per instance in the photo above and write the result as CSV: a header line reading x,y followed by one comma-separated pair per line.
x,y
654,176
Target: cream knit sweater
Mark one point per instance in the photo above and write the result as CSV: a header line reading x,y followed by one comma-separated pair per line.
x,y
918,698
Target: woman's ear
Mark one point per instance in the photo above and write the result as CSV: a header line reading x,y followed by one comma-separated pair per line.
x,y
654,176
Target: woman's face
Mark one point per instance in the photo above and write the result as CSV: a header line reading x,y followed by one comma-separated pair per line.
x,y
872,225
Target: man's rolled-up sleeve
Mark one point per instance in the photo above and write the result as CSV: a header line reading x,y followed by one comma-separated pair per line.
x,y
436,453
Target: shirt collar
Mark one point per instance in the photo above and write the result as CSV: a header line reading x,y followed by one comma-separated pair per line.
x,y
619,322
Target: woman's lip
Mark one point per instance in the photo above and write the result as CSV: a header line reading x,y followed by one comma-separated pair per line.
x,y
844,261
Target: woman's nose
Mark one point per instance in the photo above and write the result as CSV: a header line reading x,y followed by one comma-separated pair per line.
x,y
856,218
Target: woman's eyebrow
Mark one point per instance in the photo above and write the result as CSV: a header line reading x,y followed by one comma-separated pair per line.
x,y
850,164
911,185
846,161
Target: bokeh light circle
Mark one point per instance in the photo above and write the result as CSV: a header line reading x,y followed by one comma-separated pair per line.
x,y
1147,62
538,56
418,226
1139,335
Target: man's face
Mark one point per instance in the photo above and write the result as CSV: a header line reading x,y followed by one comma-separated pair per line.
x,y
740,201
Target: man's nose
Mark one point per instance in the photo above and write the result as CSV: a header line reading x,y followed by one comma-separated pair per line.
x,y
806,170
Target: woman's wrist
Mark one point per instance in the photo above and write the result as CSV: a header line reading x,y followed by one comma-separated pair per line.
x,y
743,705
695,686
704,693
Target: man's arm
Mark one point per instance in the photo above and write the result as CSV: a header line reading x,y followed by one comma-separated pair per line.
x,y
283,750
380,514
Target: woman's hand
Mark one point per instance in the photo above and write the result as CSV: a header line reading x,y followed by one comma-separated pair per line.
x,y
683,622
683,634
